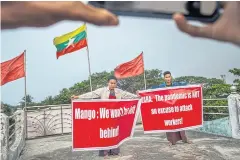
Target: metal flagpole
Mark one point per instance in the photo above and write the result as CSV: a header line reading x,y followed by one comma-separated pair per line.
x,y
144,74
89,66
25,105
25,79
89,69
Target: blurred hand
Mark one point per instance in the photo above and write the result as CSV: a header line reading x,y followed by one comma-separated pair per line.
x,y
227,28
43,14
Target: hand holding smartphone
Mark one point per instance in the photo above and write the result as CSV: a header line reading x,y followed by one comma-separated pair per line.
x,y
203,11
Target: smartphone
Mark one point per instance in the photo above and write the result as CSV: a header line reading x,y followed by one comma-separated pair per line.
x,y
203,11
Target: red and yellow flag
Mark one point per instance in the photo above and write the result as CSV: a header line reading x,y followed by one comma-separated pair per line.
x,y
71,42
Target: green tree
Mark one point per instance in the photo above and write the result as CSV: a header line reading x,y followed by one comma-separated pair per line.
x,y
153,77
48,101
63,97
236,72
29,101
191,79
212,87
98,80
199,80
132,84
216,92
7,109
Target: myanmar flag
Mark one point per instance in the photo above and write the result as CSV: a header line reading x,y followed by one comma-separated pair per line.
x,y
71,42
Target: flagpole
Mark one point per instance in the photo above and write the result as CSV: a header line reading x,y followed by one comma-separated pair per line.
x,y
144,74
25,88
89,69
89,66
25,79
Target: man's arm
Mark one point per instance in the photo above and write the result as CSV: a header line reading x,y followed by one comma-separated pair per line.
x,y
180,84
163,85
91,95
128,95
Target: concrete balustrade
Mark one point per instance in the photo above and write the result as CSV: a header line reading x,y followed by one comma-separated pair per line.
x,y
12,135
234,112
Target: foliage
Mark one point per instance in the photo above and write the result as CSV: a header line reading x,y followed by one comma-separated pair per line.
x,y
216,91
29,101
215,109
7,109
236,72
100,80
199,80
153,77
213,88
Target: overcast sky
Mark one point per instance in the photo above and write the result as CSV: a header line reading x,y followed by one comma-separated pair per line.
x,y
164,47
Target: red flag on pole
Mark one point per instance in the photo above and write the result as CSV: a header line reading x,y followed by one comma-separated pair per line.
x,y
12,69
132,68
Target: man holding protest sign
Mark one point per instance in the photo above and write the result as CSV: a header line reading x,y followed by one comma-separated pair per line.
x,y
172,108
173,137
109,92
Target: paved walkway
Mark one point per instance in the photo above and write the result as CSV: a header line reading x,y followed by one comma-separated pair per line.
x,y
141,147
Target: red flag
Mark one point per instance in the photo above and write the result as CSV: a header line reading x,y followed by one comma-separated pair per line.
x,y
132,68
12,69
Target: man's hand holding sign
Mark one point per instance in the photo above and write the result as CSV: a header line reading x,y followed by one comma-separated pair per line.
x,y
171,109
103,124
111,122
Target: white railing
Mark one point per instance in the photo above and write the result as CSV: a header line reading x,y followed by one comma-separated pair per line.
x,y
48,120
56,119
